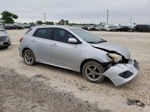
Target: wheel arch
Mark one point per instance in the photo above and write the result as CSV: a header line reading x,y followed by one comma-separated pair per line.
x,y
26,48
87,60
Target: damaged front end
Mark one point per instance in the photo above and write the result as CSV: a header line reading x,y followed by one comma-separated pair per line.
x,y
122,73
122,68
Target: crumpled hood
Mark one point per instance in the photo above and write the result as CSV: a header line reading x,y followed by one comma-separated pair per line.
x,y
113,47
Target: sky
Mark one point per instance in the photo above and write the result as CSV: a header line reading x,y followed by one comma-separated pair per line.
x,y
80,11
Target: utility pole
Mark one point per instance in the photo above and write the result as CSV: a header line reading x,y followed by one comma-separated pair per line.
x,y
44,16
131,20
107,21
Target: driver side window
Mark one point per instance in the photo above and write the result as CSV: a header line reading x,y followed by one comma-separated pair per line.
x,y
62,35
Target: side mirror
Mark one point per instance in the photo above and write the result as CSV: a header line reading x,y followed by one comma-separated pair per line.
x,y
72,41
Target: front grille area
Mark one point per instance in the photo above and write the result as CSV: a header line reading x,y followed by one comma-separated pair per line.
x,y
3,38
6,43
125,61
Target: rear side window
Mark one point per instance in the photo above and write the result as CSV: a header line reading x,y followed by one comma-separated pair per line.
x,y
46,33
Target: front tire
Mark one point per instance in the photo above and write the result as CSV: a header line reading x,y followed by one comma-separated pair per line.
x,y
92,71
29,57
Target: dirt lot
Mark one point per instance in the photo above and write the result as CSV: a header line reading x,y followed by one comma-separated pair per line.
x,y
51,89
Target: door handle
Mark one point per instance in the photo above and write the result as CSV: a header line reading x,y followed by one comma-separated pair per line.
x,y
54,45
33,40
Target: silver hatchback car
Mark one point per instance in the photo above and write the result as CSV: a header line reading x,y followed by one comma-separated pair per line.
x,y
4,38
78,50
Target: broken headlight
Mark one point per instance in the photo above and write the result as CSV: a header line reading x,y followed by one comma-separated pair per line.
x,y
115,57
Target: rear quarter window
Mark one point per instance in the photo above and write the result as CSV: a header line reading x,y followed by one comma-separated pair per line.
x,y
45,33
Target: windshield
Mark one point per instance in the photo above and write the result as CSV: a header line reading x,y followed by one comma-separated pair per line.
x,y
88,37
1,26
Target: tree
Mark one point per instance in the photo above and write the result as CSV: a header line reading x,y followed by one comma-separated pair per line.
x,y
67,22
63,22
32,23
49,23
8,17
39,22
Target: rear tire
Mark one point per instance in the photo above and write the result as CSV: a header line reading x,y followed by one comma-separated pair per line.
x,y
29,57
92,71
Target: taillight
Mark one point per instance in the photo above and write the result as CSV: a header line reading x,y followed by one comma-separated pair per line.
x,y
21,39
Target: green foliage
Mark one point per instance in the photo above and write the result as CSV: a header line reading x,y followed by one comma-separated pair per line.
x,y
63,22
8,17
48,23
39,22
32,23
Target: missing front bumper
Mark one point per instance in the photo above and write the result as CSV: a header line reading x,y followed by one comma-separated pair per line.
x,y
120,74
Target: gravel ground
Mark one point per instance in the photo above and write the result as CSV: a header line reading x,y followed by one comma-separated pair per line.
x,y
104,95
19,93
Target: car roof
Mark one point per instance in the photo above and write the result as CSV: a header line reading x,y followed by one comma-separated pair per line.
x,y
56,26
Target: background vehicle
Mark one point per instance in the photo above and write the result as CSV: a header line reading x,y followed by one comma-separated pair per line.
x,y
94,28
17,26
26,25
2,27
142,28
78,50
4,38
10,26
124,29
88,27
99,28
111,27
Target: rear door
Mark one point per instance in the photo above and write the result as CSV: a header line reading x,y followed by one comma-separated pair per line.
x,y
42,40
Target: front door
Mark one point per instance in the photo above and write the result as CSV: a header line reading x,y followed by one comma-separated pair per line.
x,y
66,55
